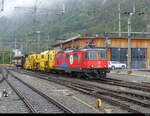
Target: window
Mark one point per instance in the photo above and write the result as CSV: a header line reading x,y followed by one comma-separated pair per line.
x,y
46,63
91,55
86,56
61,56
103,55
42,56
75,56
50,57
67,56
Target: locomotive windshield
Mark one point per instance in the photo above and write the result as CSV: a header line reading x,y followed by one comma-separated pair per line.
x,y
103,56
92,55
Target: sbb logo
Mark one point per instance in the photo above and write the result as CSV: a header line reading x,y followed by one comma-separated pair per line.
x,y
71,59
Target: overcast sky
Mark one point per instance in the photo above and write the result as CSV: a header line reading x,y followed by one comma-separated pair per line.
x,y
10,4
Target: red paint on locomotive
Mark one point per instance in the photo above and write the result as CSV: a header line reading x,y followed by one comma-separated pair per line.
x,y
86,60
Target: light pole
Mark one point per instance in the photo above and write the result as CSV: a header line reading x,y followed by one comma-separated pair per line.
x,y
3,58
119,19
38,32
10,56
129,42
48,41
130,14
2,9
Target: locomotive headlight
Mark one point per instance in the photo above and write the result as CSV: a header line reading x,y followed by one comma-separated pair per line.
x,y
105,66
92,66
99,62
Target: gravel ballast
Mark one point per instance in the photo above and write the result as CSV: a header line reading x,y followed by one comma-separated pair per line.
x,y
78,102
12,103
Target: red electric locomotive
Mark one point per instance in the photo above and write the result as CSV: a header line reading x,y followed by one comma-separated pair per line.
x,y
88,63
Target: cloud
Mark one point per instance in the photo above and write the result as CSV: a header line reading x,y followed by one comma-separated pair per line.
x,y
10,4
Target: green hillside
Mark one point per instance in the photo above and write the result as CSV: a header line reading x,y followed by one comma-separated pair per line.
x,y
85,17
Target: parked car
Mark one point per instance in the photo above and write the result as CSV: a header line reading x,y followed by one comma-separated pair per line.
x,y
116,65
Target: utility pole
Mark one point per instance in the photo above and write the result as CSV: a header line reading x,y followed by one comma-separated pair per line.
x,y
2,9
130,14
48,41
35,10
129,42
119,19
10,56
134,6
3,58
38,34
15,44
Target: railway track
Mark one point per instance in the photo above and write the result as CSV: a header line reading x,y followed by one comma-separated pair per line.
x,y
23,98
125,82
52,102
146,83
131,85
100,92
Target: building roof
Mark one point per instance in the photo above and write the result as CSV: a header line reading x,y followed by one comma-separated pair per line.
x,y
79,37
73,38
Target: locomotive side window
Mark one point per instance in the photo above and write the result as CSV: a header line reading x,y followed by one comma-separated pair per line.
x,y
86,56
91,55
42,56
75,56
61,56
46,63
67,56
50,57
103,56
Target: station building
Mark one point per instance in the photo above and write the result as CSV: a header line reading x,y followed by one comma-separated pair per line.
x,y
117,48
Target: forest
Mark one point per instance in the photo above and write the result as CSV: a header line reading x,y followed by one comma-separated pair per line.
x,y
84,17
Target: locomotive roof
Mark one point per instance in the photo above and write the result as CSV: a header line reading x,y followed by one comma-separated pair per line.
x,y
95,49
79,50
45,52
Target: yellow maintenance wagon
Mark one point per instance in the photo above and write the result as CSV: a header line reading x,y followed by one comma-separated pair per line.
x,y
51,61
43,61
37,60
27,64
30,62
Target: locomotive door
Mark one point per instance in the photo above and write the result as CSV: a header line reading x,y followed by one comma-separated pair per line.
x,y
83,62
79,60
75,59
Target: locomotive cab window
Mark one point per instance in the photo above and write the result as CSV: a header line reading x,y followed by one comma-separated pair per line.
x,y
103,56
61,56
67,56
91,55
75,56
